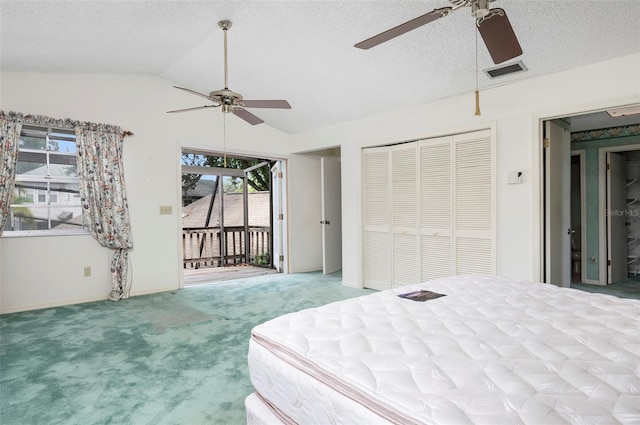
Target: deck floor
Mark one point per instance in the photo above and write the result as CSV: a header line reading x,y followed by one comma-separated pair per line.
x,y
204,275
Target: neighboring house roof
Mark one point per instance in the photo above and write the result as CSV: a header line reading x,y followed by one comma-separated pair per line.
x,y
203,188
195,214
55,170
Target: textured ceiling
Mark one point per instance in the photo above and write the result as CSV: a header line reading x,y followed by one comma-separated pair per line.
x,y
303,51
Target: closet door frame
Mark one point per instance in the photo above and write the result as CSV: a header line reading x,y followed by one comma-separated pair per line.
x,y
446,236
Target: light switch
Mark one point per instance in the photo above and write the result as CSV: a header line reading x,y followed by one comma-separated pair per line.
x,y
165,210
515,177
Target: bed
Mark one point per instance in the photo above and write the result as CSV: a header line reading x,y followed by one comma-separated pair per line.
x,y
469,349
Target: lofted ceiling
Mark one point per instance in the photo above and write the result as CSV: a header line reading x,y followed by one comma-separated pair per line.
x,y
302,51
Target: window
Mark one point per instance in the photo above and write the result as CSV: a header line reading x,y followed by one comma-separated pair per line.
x,y
46,195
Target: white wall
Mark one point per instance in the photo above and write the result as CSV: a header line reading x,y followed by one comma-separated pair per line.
x,y
514,111
46,271
138,104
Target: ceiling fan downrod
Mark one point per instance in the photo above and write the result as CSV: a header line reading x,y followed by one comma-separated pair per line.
x,y
225,25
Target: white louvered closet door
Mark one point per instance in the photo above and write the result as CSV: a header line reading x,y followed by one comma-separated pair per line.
x,y
377,217
429,209
436,208
404,215
474,212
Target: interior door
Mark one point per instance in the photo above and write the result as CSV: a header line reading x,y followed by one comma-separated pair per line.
x,y
616,217
331,215
376,217
557,204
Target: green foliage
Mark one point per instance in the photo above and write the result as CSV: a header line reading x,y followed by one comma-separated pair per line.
x,y
233,185
23,212
263,259
258,179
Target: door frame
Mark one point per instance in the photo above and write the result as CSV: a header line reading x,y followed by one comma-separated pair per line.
x,y
316,257
602,205
537,123
180,149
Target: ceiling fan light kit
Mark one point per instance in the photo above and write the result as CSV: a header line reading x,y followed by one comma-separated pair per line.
x,y
230,101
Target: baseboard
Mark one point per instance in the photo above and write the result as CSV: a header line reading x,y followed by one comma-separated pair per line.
x,y
31,307
351,284
307,270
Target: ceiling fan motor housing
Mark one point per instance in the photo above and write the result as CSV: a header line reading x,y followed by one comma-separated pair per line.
x,y
480,8
226,98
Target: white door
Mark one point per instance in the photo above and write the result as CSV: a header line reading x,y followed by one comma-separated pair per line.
x,y
376,214
616,217
474,200
278,216
436,206
331,215
404,215
557,205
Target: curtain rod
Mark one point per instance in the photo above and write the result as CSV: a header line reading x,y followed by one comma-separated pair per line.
x,y
125,133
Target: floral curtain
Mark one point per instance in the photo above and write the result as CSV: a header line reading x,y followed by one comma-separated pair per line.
x,y
103,196
10,126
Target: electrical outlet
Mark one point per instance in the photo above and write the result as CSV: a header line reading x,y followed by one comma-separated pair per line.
x,y
165,210
87,271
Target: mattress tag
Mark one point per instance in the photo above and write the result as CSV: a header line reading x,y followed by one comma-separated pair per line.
x,y
421,295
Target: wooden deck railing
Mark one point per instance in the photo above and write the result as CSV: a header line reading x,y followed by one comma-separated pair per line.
x,y
202,246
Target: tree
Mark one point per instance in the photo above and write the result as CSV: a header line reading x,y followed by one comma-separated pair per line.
x,y
23,214
258,179
189,181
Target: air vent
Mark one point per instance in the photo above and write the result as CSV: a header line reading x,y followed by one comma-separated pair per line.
x,y
500,71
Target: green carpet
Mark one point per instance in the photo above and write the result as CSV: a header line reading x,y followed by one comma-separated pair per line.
x,y
628,288
171,358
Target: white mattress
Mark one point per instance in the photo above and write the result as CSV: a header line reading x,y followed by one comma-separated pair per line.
x,y
491,351
259,413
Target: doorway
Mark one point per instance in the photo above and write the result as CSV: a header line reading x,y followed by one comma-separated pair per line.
x,y
621,171
589,173
227,216
321,208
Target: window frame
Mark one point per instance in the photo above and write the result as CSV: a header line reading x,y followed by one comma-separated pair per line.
x,y
48,181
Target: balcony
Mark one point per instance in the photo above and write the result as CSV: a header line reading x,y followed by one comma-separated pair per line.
x,y
204,247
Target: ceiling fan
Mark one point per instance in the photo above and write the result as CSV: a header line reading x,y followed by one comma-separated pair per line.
x,y
231,101
493,25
